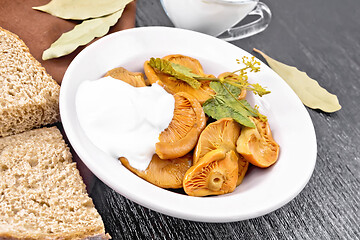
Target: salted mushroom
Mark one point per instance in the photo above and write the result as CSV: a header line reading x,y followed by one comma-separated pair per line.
x,y
135,79
173,85
257,144
218,137
243,166
219,134
182,134
214,174
164,173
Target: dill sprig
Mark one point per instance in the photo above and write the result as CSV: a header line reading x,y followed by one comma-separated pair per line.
x,y
239,78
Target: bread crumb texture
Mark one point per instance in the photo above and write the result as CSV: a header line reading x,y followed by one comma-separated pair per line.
x,y
42,195
29,97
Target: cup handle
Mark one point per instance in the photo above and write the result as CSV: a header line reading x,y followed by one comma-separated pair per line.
x,y
252,28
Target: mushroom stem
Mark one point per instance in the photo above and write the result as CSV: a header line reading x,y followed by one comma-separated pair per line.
x,y
216,180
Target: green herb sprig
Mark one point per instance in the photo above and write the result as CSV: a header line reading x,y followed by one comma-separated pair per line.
x,y
225,102
175,70
239,78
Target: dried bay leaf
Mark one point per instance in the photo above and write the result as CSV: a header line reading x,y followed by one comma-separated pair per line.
x,y
82,9
81,35
308,90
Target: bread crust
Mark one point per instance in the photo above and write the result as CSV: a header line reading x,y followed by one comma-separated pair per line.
x,y
101,236
29,96
42,192
18,115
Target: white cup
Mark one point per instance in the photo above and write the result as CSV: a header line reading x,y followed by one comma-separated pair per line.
x,y
218,17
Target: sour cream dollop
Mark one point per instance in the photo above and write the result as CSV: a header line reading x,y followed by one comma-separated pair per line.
x,y
122,120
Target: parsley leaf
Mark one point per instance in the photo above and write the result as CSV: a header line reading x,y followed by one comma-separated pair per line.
x,y
225,104
175,70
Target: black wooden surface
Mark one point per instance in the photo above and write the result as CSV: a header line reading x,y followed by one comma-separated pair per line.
x,y
322,38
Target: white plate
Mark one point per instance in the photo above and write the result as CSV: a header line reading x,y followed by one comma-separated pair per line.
x,y
262,191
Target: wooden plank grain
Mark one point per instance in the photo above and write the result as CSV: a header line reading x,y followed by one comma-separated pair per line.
x,y
321,38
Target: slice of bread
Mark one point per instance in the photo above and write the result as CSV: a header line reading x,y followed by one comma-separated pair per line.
x,y
42,195
29,97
